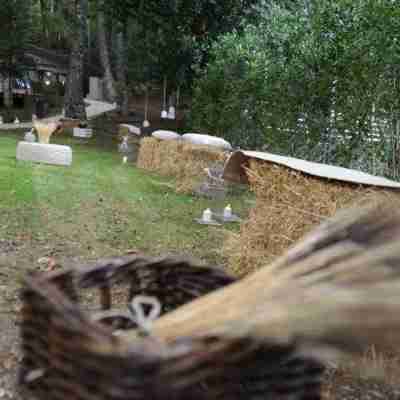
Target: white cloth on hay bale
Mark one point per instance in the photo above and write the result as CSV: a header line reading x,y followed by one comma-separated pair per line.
x,y
166,135
196,138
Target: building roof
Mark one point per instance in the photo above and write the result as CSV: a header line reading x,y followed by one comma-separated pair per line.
x,y
55,61
49,60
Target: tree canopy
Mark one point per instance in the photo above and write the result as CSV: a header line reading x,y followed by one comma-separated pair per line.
x,y
318,81
15,31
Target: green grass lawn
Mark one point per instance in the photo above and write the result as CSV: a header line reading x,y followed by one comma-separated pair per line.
x,y
100,206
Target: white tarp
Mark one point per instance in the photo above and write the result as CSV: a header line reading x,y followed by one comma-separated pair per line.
x,y
234,169
197,138
166,135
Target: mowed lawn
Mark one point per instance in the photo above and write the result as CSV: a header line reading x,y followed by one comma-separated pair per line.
x,y
101,207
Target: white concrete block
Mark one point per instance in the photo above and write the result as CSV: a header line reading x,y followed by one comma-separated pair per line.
x,y
44,153
83,132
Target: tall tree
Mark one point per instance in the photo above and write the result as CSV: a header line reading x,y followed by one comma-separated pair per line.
x,y
49,24
109,81
73,101
43,14
122,70
168,36
15,24
84,28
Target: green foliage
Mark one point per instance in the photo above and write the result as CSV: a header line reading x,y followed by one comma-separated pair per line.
x,y
168,36
310,81
15,31
49,25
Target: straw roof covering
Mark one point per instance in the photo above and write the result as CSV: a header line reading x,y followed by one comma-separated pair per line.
x,y
235,169
289,204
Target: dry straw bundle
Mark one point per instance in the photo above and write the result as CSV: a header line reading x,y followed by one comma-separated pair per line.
x,y
186,162
160,156
343,285
45,130
288,204
194,160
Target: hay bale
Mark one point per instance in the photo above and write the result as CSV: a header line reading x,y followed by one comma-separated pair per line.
x,y
159,156
288,205
194,161
184,161
148,148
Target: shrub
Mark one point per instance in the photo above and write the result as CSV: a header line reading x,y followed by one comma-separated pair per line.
x,y
320,81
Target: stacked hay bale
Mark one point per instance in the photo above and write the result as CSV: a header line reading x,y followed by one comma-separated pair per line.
x,y
160,156
289,203
195,159
184,161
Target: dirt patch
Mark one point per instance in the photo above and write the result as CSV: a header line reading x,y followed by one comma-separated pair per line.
x,y
339,386
7,246
9,358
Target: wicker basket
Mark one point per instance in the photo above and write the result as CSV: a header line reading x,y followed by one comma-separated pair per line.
x,y
69,354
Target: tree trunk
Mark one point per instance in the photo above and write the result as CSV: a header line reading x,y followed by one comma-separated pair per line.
x,y
73,103
84,23
110,87
43,14
7,92
123,95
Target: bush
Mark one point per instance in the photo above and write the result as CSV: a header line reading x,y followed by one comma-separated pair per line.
x,y
320,81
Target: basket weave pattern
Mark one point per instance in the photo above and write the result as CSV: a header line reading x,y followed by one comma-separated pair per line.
x,y
67,355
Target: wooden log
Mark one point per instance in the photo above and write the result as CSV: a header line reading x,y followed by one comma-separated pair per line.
x,y
67,123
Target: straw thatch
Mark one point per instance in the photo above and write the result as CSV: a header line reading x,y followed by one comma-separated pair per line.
x,y
186,162
288,204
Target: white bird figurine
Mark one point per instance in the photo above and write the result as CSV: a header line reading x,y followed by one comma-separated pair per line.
x,y
30,136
